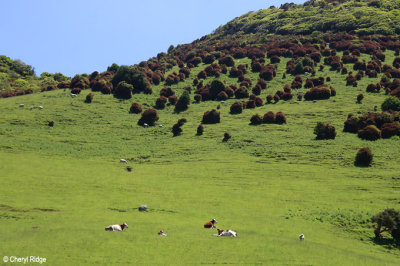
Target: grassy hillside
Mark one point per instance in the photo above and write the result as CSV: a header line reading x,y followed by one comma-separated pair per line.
x,y
62,185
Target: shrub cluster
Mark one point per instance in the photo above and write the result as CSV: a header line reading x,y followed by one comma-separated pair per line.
x,y
324,131
319,93
89,98
149,117
211,117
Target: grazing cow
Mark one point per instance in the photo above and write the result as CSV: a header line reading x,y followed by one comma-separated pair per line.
x,y
74,95
31,108
301,237
226,233
40,107
21,105
143,208
210,224
146,125
160,125
161,233
116,227
123,161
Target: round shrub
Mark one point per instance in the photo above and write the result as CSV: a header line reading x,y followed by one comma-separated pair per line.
x,y
280,118
216,87
222,96
363,157
182,121
211,117
76,90
370,132
149,117
167,91
173,99
390,129
269,118
259,101
227,60
276,98
176,130
197,98
360,97
256,89
256,119
227,136
230,92
89,98
318,93
241,93
160,102
251,104
123,90
135,108
200,129
324,131
236,108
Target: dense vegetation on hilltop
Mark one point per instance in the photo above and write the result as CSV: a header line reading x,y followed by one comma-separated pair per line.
x,y
18,78
362,16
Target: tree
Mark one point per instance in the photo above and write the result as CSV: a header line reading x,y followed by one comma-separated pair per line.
x,y
183,102
170,48
387,221
123,90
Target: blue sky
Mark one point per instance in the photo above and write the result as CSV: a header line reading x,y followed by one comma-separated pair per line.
x,y
81,36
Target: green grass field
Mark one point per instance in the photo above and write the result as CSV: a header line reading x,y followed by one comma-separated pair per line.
x,y
61,185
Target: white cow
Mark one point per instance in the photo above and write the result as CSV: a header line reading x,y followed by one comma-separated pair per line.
x,y
226,233
21,105
40,107
116,227
301,237
74,95
123,161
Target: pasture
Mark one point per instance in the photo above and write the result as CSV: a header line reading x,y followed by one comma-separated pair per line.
x,y
61,185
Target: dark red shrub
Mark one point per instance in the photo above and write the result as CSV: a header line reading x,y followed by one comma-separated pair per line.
x,y
236,108
256,90
269,118
222,96
135,108
227,60
176,130
149,117
287,96
160,102
89,98
230,92
363,157
262,83
280,118
259,101
227,137
373,88
276,98
241,93
211,117
251,104
256,119
202,75
182,121
167,91
390,129
318,93
197,98
173,99
369,133
360,97
200,129
76,90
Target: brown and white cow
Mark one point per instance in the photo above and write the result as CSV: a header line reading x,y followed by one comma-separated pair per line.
x,y
228,232
210,224
116,227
